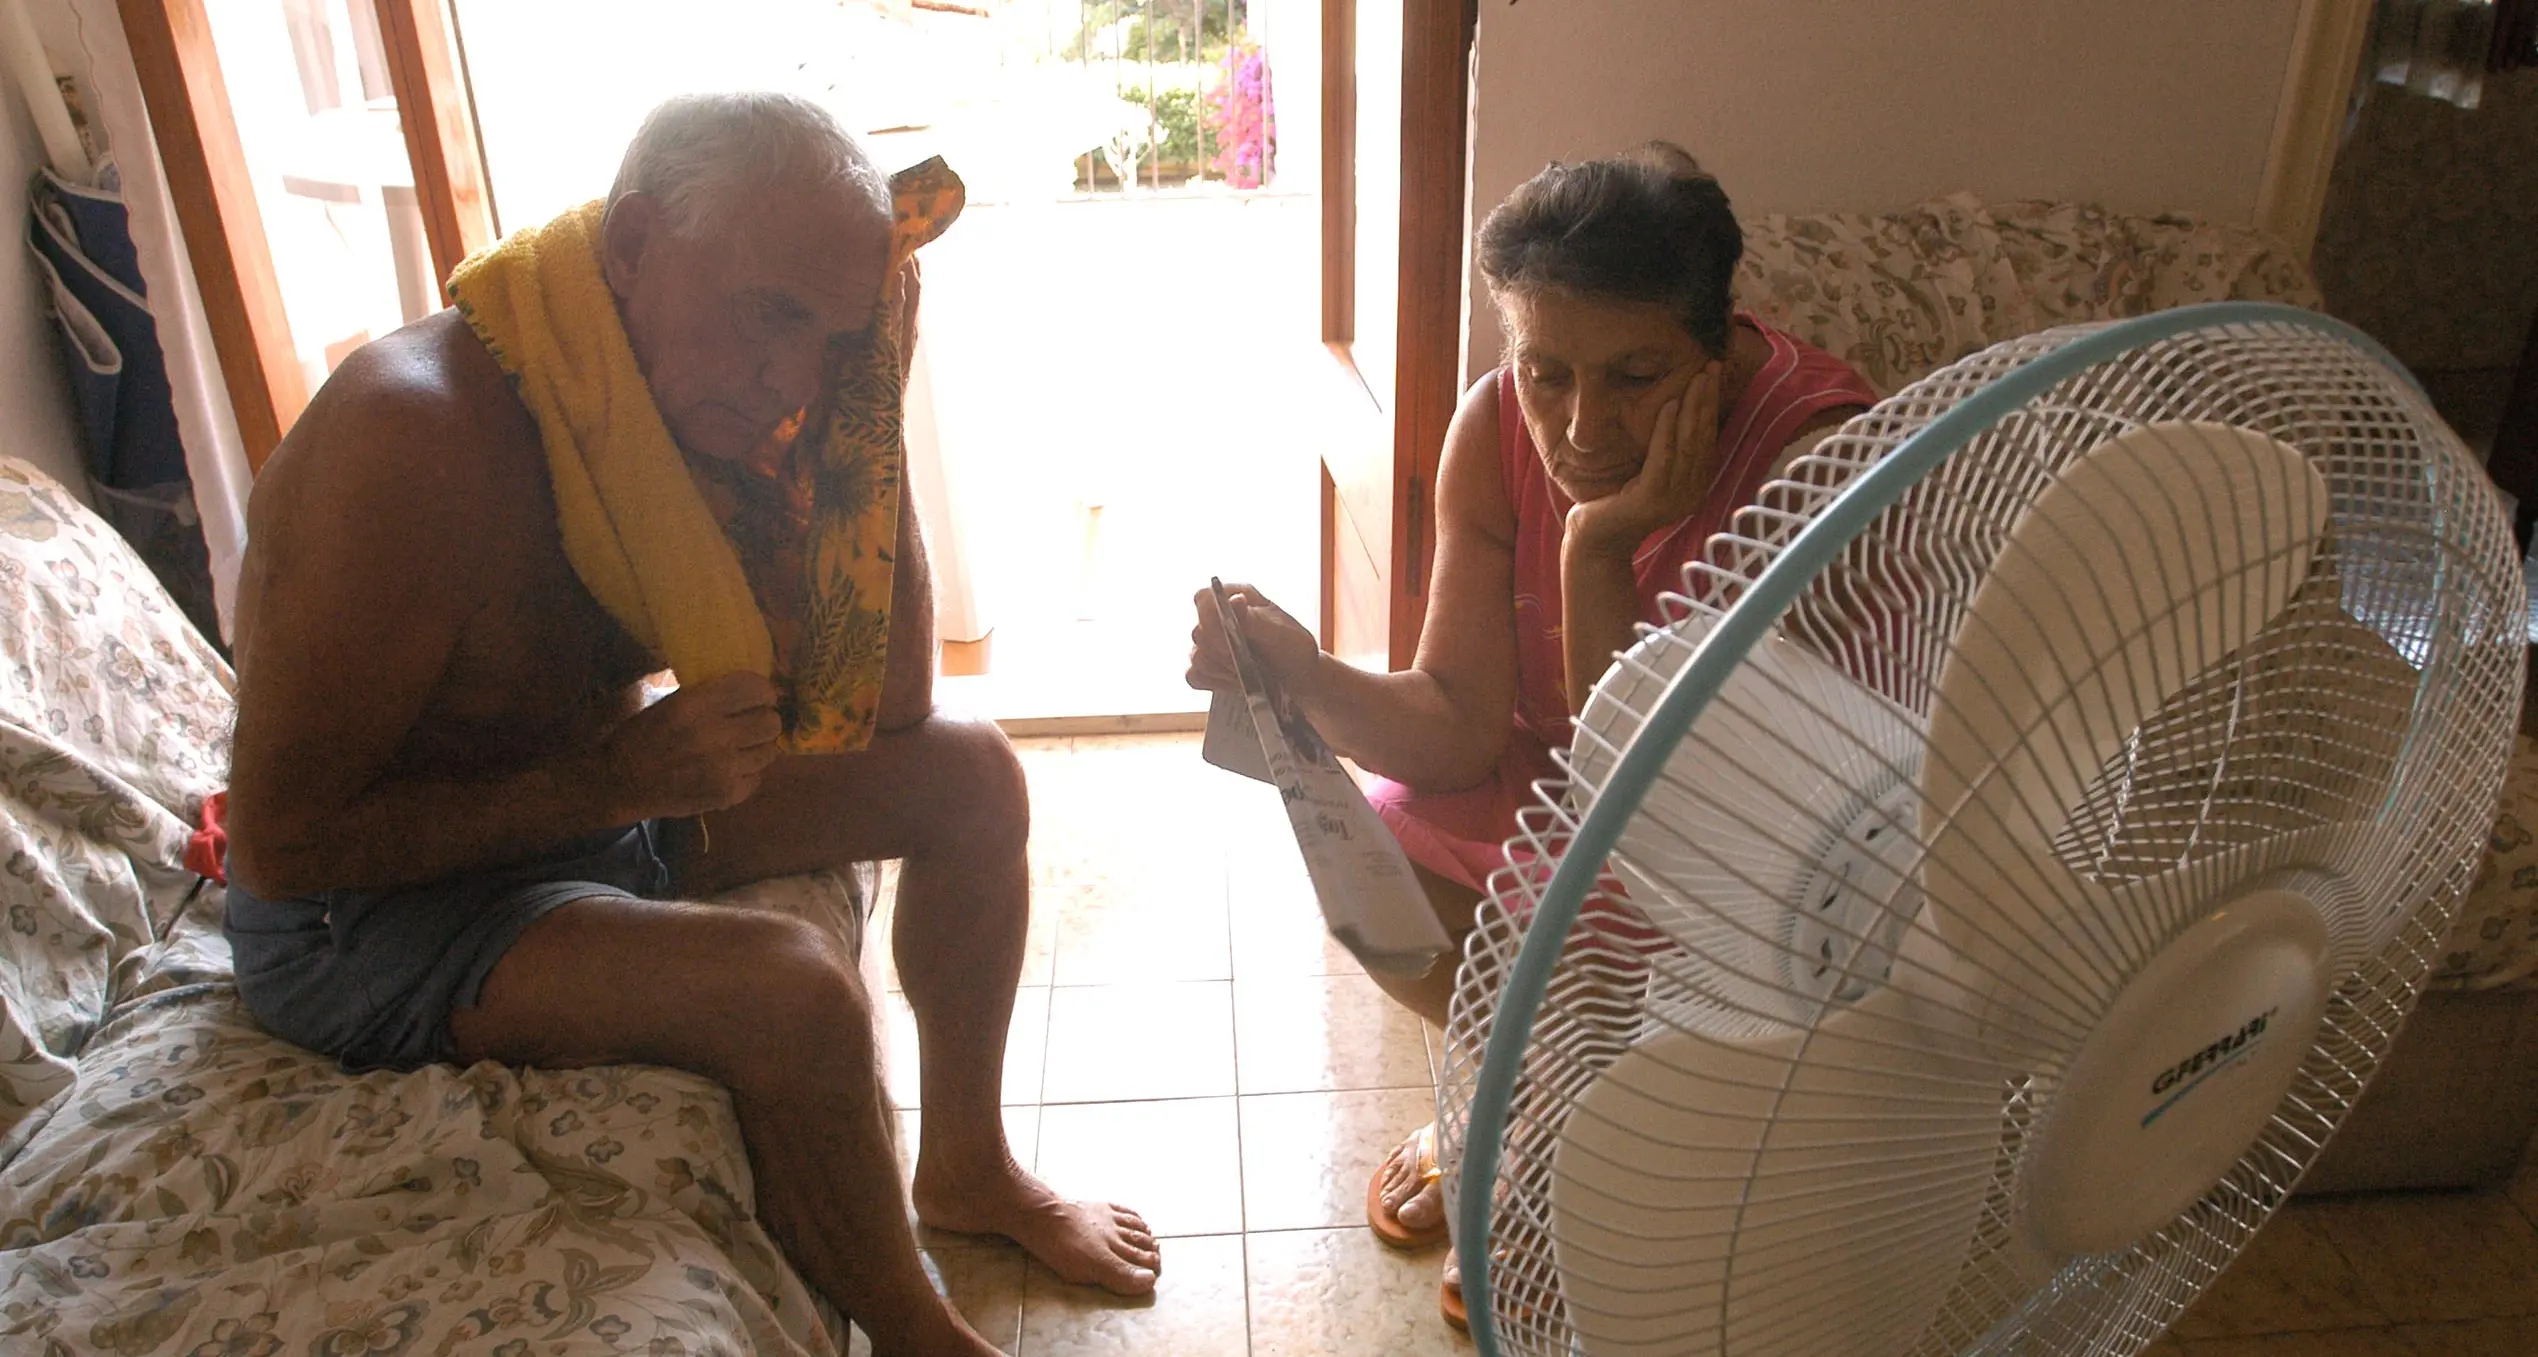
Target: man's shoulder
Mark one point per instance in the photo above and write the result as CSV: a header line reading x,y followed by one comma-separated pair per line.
x,y
425,405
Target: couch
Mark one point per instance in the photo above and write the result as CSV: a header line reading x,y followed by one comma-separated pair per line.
x,y
174,1181
1899,294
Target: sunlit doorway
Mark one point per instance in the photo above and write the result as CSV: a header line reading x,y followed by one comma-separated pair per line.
x,y
1107,404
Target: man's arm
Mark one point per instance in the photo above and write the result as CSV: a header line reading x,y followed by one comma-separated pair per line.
x,y
1441,724
367,558
360,578
907,682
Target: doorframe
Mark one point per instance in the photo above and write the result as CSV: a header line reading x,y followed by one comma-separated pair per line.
x,y
179,72
215,200
1436,55
449,169
2317,87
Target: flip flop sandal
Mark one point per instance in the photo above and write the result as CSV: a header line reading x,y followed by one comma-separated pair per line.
x,y
1449,1297
1379,1217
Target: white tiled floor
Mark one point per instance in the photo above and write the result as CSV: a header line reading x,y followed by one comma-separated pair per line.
x,y
1190,1043
1187,1041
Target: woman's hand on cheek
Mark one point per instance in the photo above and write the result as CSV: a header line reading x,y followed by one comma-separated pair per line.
x,y
1682,463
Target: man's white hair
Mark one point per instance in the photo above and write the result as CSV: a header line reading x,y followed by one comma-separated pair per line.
x,y
704,154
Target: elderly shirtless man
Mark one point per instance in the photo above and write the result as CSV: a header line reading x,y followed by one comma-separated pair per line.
x,y
458,835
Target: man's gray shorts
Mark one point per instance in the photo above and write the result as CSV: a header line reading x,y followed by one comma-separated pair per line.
x,y
370,977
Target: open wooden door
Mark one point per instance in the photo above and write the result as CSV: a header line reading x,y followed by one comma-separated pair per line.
x,y
215,196
1395,89
216,209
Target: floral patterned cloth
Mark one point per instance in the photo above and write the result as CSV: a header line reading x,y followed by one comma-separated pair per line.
x,y
175,1181
114,722
1898,294
2495,941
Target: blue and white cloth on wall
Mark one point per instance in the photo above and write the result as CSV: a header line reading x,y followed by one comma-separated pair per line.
x,y
81,238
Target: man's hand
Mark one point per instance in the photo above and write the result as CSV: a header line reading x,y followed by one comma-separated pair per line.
x,y
700,749
1281,644
1681,467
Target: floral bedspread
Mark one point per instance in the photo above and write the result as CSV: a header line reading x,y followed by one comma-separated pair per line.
x,y
174,1181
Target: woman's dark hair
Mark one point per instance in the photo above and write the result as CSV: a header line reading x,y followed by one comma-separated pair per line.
x,y
1648,225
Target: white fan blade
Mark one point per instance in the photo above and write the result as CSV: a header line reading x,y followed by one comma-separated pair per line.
x,y
2148,558
1790,1194
1793,789
2281,757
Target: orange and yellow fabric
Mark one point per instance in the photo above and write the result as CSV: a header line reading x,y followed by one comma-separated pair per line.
x,y
781,566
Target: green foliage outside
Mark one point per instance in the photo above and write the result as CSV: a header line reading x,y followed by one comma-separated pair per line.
x,y
1158,30
1180,137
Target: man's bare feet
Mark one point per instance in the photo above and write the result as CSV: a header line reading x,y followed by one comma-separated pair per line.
x,y
1086,1243
1412,1190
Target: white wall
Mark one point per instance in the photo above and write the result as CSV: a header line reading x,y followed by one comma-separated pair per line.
x,y
35,405
1850,105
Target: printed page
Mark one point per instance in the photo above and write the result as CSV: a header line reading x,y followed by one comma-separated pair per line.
x,y
1371,901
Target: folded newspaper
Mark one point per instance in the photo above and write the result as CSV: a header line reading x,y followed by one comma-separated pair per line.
x,y
1371,901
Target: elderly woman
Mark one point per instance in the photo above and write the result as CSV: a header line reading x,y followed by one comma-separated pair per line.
x,y
1637,410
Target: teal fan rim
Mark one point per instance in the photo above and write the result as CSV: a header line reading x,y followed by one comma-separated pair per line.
x,y
1698,682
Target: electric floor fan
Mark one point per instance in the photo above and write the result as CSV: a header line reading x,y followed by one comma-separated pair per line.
x,y
1968,916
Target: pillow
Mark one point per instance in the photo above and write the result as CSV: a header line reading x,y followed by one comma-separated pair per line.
x,y
1893,294
2079,262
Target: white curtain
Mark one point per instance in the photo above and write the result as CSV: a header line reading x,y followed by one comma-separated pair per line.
x,y
85,41
956,613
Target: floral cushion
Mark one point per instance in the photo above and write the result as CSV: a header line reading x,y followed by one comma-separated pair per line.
x,y
1894,294
206,1186
1899,294
2495,941
2081,263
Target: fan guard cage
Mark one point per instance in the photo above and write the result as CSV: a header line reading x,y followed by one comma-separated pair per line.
x,y
2417,552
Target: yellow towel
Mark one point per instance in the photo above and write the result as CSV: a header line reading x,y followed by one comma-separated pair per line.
x,y
695,581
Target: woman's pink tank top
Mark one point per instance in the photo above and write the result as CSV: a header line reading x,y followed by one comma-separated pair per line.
x,y
1796,384
1458,834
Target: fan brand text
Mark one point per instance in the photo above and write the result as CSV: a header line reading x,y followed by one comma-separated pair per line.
x,y
2218,1052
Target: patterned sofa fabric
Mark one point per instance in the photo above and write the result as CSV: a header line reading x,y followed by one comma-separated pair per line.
x,y
1894,294
2494,944
1898,294
2077,262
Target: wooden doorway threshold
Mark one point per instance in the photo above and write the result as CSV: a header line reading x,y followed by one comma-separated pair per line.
x,y
1145,723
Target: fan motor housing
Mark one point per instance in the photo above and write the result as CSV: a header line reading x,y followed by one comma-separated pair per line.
x,y
2179,1078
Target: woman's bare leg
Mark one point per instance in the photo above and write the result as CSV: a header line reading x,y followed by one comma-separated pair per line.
x,y
1412,1197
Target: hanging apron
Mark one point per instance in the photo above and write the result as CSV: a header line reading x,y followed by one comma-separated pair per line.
x,y
81,238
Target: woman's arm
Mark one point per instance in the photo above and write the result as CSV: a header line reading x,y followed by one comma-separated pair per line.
x,y
1599,590
1440,724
